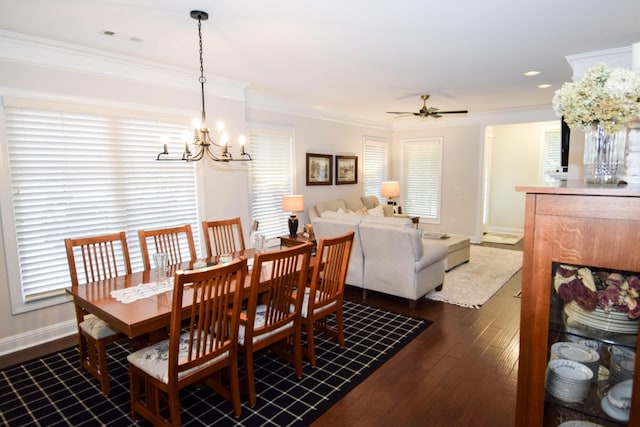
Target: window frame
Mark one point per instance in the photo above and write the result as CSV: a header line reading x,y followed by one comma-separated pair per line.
x,y
369,186
406,187
277,224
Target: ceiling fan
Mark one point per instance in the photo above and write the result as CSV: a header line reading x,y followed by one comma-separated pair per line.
x,y
428,111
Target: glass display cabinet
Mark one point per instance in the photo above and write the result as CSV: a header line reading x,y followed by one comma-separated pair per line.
x,y
579,307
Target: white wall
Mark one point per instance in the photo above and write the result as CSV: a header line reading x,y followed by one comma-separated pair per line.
x,y
516,159
462,148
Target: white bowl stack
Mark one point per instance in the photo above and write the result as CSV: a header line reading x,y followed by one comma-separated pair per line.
x,y
568,380
578,353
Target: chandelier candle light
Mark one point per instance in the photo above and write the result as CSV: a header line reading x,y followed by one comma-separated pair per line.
x,y
601,104
202,142
293,203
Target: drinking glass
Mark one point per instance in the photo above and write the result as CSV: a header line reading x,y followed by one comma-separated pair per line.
x,y
161,261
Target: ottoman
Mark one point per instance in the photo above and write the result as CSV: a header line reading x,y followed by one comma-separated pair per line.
x,y
459,248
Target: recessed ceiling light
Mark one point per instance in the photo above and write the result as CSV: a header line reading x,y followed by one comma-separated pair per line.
x,y
544,86
120,36
531,73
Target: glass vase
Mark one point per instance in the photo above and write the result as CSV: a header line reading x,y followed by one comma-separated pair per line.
x,y
604,156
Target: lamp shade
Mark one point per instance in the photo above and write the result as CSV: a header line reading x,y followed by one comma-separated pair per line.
x,y
390,189
293,203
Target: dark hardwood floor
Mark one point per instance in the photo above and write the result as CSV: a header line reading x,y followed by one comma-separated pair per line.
x,y
461,371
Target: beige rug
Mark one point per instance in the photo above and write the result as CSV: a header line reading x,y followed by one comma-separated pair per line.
x,y
503,238
472,284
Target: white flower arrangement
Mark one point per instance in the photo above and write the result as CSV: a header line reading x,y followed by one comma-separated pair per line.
x,y
605,97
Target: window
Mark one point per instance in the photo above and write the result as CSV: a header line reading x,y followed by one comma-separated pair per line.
x,y
551,153
374,165
74,174
421,183
271,178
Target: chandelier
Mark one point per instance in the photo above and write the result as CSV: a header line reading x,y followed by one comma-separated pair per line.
x,y
203,145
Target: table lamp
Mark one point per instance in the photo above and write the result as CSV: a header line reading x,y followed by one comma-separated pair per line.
x,y
293,203
390,189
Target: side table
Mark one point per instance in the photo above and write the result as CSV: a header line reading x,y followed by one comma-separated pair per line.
x,y
288,241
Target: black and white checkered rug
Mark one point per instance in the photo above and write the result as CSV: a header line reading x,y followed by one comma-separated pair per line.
x,y
52,391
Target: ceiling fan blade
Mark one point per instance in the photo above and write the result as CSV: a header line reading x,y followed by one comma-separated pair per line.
x,y
453,112
398,112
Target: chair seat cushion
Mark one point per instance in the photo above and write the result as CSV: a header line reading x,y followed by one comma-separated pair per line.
x,y
96,328
259,322
305,302
154,359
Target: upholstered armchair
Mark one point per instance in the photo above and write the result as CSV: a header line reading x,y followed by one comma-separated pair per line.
x,y
398,261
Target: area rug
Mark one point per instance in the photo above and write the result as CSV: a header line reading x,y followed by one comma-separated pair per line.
x,y
52,391
503,238
472,284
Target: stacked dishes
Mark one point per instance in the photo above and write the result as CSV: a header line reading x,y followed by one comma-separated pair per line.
x,y
613,321
623,362
578,353
617,403
568,380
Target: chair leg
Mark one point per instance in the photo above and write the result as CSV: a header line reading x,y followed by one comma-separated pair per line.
x,y
234,384
251,382
103,370
340,327
311,347
174,408
93,358
297,353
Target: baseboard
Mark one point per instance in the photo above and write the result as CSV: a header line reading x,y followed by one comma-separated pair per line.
x,y
26,346
519,231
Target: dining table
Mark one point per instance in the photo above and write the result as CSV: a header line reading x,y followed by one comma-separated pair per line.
x,y
146,317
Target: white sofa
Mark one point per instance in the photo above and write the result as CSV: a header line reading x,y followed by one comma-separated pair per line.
x,y
388,254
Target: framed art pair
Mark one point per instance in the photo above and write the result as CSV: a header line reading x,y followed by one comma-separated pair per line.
x,y
320,169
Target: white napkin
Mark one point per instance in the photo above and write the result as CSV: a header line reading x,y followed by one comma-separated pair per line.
x,y
143,290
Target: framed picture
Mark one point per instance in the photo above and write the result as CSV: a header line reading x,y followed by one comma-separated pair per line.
x,y
346,170
319,169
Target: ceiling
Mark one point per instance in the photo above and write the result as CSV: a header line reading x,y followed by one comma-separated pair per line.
x,y
358,57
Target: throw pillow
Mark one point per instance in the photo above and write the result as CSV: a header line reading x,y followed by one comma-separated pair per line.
x,y
377,211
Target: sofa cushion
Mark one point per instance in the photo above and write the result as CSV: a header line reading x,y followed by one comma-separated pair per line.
x,y
339,214
330,205
370,202
353,203
391,221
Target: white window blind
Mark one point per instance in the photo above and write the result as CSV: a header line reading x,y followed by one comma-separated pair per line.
x,y
552,153
77,175
421,184
271,178
374,166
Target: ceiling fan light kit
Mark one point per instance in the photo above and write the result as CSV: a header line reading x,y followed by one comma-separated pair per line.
x,y
427,111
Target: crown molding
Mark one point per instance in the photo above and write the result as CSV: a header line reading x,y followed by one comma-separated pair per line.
x,y
261,101
26,49
617,57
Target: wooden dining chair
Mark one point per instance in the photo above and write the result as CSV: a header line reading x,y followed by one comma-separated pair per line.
x,y
98,258
196,353
272,316
324,294
223,236
173,241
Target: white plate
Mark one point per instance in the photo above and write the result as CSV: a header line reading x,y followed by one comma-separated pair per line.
x,y
620,395
613,412
612,322
579,423
573,351
570,370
